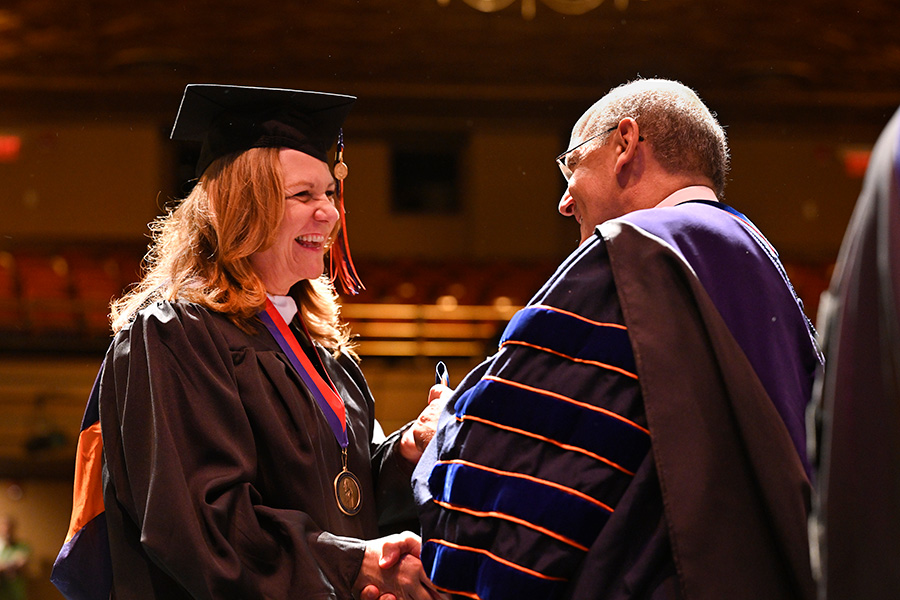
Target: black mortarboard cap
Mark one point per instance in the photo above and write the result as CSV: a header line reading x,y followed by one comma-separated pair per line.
x,y
231,118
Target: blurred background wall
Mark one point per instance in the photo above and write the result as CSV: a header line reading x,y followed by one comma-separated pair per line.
x,y
452,191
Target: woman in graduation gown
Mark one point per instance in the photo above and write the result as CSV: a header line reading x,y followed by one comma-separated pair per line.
x,y
241,454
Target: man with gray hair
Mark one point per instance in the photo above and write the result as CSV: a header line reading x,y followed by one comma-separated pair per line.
x,y
639,433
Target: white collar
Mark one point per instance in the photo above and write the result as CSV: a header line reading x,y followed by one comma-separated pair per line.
x,y
286,307
692,192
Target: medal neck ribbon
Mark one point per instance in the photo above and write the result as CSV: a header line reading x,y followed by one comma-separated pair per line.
x,y
326,396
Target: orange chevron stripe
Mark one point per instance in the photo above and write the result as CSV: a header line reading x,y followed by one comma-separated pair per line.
x,y
472,595
576,316
496,558
572,358
566,399
542,438
516,520
538,480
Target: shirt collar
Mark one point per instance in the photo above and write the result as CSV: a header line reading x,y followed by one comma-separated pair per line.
x,y
285,305
693,192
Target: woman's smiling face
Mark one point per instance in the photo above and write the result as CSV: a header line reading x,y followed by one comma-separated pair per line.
x,y
309,218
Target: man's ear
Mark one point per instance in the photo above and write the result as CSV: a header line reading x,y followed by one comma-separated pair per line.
x,y
626,139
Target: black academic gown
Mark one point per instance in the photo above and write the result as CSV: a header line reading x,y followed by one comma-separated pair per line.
x,y
859,393
219,465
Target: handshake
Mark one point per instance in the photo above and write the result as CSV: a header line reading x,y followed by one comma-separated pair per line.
x,y
391,570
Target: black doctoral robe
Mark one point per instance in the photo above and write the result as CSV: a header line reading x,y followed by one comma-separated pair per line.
x,y
219,465
639,434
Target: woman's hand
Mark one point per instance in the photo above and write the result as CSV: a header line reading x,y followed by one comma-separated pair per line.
x,y
414,439
391,570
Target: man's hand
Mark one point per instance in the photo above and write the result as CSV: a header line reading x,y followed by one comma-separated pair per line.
x,y
414,439
391,570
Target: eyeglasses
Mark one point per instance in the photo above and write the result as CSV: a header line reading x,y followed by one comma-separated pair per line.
x,y
561,159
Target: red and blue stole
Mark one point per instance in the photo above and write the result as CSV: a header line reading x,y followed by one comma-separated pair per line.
x,y
326,396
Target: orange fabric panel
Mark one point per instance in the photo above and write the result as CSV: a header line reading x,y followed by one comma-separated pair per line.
x,y
87,498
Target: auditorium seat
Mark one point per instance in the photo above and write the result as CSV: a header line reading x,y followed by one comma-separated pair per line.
x,y
10,310
46,293
95,282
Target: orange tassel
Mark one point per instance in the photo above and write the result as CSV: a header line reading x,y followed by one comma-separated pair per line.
x,y
340,262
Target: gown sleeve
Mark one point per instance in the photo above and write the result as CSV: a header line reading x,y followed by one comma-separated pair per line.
x,y
183,461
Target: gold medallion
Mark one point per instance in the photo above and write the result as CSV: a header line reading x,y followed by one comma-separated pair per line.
x,y
341,170
347,492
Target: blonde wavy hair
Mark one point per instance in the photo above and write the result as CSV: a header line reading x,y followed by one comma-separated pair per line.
x,y
200,251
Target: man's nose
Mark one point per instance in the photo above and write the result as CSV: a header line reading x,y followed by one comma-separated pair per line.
x,y
566,204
